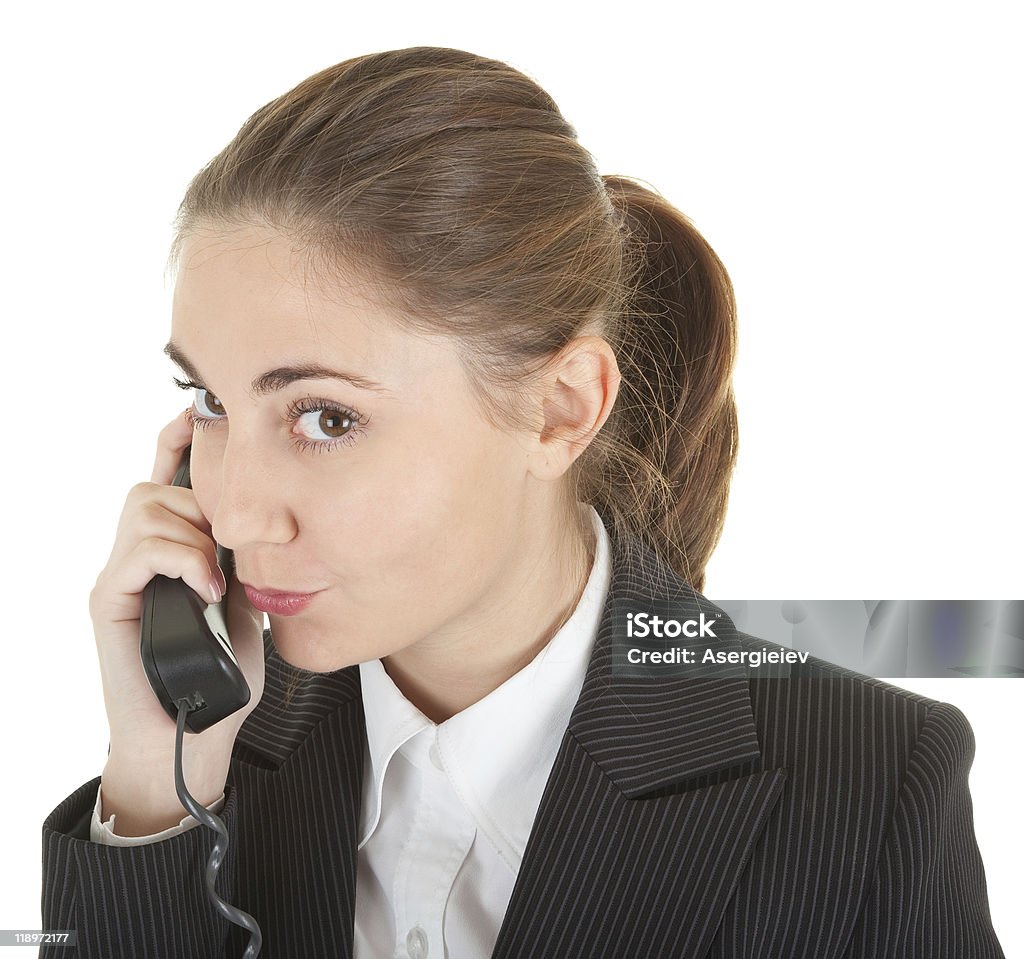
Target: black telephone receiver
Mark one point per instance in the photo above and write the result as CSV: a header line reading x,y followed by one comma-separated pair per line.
x,y
184,643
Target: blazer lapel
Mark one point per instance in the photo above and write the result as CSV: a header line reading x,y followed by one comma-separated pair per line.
x,y
321,728
655,800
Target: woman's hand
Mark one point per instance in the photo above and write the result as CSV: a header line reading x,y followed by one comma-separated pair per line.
x,y
162,530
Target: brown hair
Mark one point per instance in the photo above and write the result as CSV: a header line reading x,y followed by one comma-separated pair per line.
x,y
454,181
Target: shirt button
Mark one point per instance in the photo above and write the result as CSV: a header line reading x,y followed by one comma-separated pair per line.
x,y
435,756
416,943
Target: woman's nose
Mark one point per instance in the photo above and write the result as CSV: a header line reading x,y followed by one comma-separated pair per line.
x,y
252,507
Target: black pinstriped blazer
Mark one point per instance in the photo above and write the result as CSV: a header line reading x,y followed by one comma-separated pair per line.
x,y
821,816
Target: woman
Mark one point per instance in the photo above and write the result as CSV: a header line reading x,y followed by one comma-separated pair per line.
x,y
480,404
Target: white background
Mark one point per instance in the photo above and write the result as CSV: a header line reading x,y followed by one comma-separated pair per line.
x,y
857,169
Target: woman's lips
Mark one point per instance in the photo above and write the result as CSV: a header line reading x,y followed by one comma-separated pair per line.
x,y
281,604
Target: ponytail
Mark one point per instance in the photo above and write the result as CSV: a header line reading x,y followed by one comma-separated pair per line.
x,y
663,469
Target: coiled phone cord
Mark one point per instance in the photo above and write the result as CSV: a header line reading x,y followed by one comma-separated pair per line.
x,y
207,818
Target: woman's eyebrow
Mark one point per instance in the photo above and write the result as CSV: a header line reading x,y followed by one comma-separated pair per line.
x,y
279,377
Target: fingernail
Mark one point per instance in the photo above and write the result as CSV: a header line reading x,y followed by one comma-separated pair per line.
x,y
223,580
215,590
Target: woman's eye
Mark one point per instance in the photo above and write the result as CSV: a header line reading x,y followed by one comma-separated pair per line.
x,y
206,404
325,424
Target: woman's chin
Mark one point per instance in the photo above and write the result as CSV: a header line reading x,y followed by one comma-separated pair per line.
x,y
298,645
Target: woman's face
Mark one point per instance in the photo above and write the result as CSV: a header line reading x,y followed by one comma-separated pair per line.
x,y
390,497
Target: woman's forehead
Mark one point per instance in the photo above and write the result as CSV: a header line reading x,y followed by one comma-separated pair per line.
x,y
259,278
250,294
257,261
225,321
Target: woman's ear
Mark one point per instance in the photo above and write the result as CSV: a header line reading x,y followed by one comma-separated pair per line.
x,y
577,394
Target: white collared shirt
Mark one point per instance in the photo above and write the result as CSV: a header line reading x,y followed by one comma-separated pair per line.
x,y
447,808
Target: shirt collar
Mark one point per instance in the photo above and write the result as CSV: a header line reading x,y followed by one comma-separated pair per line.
x,y
499,751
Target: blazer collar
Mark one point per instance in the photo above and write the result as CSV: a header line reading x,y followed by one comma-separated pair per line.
x,y
656,800
650,732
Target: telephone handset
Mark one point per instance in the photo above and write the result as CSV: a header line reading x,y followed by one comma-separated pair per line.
x,y
184,643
